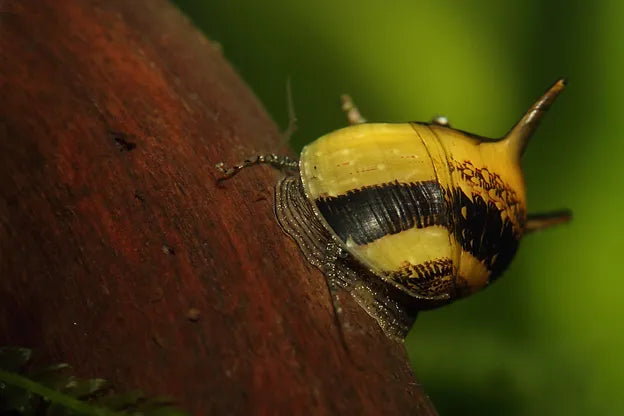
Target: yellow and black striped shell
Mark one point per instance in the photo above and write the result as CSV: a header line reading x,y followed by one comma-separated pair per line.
x,y
428,208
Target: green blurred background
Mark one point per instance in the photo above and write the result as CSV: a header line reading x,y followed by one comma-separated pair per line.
x,y
547,338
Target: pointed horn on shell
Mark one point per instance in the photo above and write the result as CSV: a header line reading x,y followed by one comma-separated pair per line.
x,y
519,135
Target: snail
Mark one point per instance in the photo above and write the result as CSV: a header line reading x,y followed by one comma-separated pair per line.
x,y
408,216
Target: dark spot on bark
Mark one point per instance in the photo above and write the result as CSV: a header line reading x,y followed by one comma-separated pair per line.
x,y
122,142
158,340
262,195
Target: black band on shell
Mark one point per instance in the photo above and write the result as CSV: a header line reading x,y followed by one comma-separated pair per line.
x,y
369,213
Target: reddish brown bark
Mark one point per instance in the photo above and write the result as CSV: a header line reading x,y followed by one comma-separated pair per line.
x,y
122,256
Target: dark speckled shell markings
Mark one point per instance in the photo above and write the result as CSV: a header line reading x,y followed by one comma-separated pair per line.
x,y
491,186
429,278
487,224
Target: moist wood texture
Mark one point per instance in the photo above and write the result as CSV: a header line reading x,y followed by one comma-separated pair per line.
x,y
121,255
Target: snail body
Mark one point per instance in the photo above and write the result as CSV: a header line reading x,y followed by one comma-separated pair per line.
x,y
409,216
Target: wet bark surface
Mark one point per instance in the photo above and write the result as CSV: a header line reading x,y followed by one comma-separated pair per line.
x,y
122,255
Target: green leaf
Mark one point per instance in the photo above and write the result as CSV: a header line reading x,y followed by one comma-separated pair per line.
x,y
54,376
51,391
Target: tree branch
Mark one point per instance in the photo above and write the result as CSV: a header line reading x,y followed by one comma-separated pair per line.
x,y
121,255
